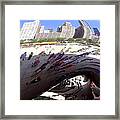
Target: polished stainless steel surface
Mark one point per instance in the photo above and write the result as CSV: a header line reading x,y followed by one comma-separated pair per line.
x,y
55,2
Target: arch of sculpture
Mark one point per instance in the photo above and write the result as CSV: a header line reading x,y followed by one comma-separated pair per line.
x,y
36,80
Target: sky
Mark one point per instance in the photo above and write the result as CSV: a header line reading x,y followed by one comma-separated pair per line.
x,y
53,24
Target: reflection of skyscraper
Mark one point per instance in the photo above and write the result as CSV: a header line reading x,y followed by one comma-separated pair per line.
x,y
29,30
41,29
79,32
64,31
67,30
96,32
88,31
83,31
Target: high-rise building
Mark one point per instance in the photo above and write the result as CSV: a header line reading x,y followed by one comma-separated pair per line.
x,y
79,32
83,31
88,33
66,30
42,28
29,30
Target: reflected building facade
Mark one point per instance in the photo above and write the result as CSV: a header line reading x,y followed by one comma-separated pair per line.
x,y
85,31
29,30
64,31
33,30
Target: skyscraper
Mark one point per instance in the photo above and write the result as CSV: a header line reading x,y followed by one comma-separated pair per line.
x,y
83,31
66,30
29,30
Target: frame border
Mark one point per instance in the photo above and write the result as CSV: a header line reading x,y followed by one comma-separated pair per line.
x,y
55,2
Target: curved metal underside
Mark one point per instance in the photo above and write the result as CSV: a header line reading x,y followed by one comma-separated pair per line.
x,y
36,80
